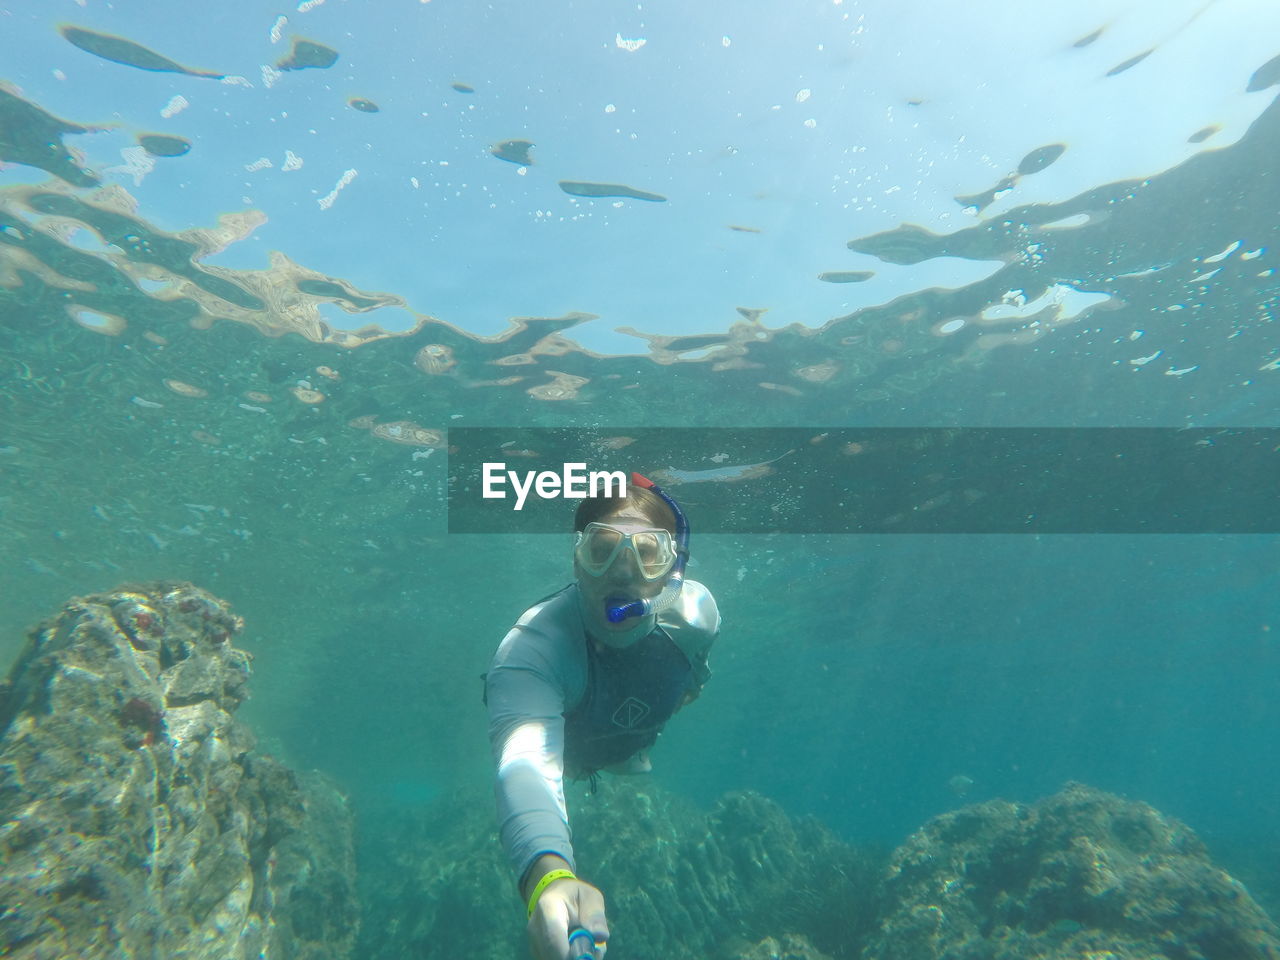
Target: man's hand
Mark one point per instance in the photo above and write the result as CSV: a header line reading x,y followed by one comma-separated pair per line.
x,y
564,906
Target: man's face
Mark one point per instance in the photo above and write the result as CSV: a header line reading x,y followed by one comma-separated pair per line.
x,y
621,581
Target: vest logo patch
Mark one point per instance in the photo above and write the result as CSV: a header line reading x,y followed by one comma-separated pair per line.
x,y
630,713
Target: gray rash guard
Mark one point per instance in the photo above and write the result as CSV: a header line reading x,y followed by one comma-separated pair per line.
x,y
538,675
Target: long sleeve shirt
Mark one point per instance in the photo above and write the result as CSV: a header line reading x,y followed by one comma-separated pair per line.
x,y
540,673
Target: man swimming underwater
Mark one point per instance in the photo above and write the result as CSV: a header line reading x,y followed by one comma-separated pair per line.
x,y
584,682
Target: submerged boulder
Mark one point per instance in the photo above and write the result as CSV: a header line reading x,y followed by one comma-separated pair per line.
x,y
1079,874
137,820
790,946
743,881
682,883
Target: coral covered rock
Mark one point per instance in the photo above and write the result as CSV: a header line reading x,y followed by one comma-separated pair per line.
x,y
680,884
1080,874
137,821
438,876
685,884
790,946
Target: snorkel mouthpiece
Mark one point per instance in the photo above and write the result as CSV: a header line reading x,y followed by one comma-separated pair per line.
x,y
620,611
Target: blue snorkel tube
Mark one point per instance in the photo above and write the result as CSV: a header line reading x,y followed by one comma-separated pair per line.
x,y
643,608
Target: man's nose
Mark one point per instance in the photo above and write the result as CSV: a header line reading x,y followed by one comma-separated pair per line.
x,y
624,567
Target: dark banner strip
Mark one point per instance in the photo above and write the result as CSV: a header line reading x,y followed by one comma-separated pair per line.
x,y
878,481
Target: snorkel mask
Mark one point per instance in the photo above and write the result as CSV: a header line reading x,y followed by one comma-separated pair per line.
x,y
655,552
599,545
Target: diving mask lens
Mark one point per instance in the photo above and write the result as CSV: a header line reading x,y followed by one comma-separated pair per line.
x,y
599,545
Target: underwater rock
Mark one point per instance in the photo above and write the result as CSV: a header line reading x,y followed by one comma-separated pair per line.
x,y
789,947
137,819
435,873
681,884
704,882
1079,874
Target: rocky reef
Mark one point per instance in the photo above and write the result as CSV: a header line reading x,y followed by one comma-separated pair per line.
x,y
1080,874
684,884
744,881
136,819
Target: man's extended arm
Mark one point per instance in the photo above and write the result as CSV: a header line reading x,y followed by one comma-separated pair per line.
x,y
526,731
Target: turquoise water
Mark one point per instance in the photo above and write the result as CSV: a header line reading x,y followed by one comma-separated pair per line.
x,y
178,401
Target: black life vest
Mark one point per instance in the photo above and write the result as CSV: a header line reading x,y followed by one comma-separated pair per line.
x,y
630,694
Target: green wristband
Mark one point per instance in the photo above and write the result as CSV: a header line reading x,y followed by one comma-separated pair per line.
x,y
545,882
